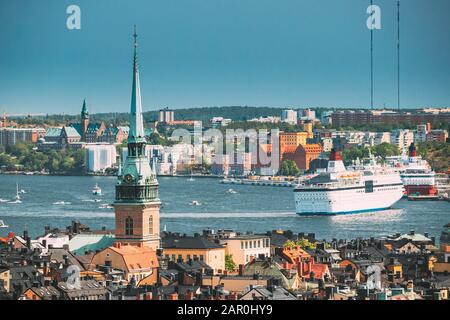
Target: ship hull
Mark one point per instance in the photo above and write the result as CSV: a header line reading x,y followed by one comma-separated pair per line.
x,y
346,200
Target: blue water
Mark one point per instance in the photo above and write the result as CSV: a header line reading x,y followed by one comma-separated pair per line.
x,y
253,208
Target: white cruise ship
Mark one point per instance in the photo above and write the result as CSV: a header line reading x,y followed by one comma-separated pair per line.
x,y
416,173
342,191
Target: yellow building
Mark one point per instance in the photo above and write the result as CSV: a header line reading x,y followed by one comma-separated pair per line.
x,y
395,269
195,248
5,278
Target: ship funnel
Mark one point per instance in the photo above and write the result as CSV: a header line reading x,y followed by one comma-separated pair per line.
x,y
412,150
335,155
335,163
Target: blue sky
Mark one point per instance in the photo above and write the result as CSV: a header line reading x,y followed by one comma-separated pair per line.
x,y
197,53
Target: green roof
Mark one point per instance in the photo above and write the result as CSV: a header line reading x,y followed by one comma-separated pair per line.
x,y
104,242
53,132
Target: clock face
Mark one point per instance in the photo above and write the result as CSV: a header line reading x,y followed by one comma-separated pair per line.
x,y
128,178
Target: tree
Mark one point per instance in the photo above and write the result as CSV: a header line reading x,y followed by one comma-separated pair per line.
x,y
230,265
289,168
385,149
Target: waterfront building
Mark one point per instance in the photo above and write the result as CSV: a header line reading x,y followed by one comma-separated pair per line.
x,y
12,136
100,156
289,116
237,164
289,142
137,201
88,131
77,135
306,154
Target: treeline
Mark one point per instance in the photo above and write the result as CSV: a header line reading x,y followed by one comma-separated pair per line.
x,y
26,157
236,113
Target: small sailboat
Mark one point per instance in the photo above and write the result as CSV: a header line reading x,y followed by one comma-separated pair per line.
x,y
191,178
97,191
17,197
3,225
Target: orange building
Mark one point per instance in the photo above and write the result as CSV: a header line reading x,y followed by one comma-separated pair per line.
x,y
138,262
305,154
289,142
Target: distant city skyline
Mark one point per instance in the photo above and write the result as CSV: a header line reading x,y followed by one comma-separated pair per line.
x,y
194,53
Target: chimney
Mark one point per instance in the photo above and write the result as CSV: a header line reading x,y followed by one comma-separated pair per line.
x,y
25,234
44,243
66,260
412,232
241,270
28,242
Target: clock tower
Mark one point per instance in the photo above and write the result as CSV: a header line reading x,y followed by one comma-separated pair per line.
x,y
137,201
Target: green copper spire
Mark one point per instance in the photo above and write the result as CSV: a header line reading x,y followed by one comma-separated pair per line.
x,y
136,181
136,133
84,111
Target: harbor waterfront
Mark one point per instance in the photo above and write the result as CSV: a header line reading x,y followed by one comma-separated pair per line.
x,y
191,206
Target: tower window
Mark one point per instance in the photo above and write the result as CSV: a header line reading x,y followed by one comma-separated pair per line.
x,y
150,225
129,226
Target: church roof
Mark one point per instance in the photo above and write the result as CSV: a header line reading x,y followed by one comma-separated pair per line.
x,y
53,132
71,131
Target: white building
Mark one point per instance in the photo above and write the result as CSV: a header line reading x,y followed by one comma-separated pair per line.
x,y
402,138
100,156
289,116
269,119
244,248
421,133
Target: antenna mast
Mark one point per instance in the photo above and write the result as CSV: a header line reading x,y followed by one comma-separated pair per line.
x,y
398,55
371,62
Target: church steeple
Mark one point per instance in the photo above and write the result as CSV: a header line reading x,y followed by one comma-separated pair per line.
x,y
137,201
84,121
84,111
136,124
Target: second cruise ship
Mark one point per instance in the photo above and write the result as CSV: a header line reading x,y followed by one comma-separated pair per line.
x,y
342,191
